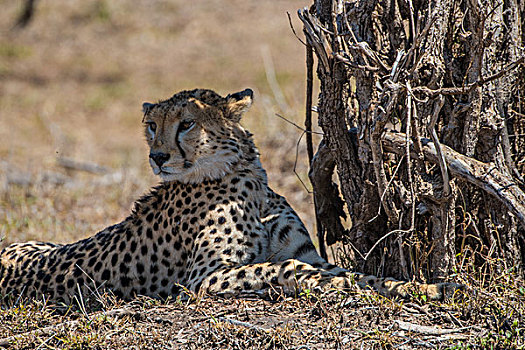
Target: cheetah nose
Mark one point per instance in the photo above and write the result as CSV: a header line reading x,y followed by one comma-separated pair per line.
x,y
159,158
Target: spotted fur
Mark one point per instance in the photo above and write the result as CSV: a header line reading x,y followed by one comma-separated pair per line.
x,y
213,225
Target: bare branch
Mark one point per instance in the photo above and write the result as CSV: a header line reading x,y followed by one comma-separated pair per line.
x,y
308,112
293,29
315,37
469,87
297,126
376,131
381,240
353,65
441,158
482,175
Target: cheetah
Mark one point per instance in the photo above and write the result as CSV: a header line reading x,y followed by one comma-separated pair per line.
x,y
213,225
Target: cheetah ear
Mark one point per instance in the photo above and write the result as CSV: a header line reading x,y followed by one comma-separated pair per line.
x,y
146,107
238,103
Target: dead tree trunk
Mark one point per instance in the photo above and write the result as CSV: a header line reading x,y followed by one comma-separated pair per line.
x,y
422,106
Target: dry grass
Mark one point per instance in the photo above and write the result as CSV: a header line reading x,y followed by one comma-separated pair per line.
x,y
72,85
308,321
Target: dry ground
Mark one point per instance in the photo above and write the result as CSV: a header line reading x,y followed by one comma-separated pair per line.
x,y
332,320
71,87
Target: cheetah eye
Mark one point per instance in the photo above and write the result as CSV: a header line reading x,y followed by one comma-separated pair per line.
x,y
186,125
152,126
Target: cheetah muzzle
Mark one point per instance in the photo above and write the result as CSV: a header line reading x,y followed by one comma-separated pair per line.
x,y
213,225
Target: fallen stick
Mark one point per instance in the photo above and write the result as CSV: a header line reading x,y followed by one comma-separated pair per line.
x,y
242,324
415,328
483,175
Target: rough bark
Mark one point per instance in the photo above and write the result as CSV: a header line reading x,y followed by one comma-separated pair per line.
x,y
433,90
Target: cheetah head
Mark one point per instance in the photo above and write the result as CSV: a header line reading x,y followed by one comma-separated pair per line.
x,y
195,135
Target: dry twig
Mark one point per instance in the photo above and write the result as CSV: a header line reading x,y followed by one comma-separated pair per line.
x,y
469,87
416,328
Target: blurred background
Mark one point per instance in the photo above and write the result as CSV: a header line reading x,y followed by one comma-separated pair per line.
x,y
72,154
